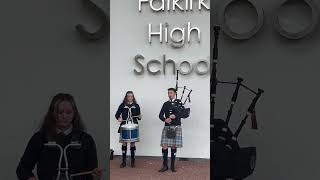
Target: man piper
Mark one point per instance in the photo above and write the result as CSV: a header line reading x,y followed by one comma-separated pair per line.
x,y
171,113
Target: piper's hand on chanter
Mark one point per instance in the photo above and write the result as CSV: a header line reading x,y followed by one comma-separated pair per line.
x,y
168,120
96,173
172,116
32,178
120,119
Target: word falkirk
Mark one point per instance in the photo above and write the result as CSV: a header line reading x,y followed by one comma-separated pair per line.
x,y
168,5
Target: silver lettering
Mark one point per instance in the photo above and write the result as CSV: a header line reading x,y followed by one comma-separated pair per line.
x,y
159,33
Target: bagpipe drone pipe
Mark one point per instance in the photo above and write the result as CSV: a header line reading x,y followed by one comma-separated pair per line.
x,y
184,112
228,159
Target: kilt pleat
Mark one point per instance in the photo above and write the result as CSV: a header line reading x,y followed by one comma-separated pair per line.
x,y
177,141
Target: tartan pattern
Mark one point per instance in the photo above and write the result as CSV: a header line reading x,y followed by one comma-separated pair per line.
x,y
177,141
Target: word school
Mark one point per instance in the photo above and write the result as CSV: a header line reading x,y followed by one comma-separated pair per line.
x,y
167,5
159,66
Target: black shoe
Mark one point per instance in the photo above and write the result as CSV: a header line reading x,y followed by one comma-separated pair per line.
x,y
173,158
132,164
124,156
163,169
172,168
133,149
123,164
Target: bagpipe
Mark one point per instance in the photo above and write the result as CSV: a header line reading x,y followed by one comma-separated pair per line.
x,y
228,159
184,112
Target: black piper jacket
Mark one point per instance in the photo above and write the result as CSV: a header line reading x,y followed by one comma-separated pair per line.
x,y
169,108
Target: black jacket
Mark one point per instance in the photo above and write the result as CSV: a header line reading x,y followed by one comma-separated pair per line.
x,y
123,111
169,108
46,158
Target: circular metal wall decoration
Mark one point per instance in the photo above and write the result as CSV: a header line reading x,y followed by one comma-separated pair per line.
x,y
302,33
103,29
246,35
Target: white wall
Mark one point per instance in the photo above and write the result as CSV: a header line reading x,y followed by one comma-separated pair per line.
x,y
129,37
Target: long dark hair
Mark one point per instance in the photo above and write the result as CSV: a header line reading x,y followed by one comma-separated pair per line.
x,y
125,99
49,123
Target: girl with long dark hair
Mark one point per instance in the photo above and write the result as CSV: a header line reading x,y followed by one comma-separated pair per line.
x,y
62,125
128,106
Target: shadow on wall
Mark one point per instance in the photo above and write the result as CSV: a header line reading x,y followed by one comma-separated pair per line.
x,y
229,159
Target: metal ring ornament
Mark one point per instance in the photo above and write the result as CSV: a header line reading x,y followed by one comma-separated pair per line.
x,y
303,33
247,35
103,29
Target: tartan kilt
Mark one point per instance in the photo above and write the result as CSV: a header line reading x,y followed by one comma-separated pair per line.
x,y
177,141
